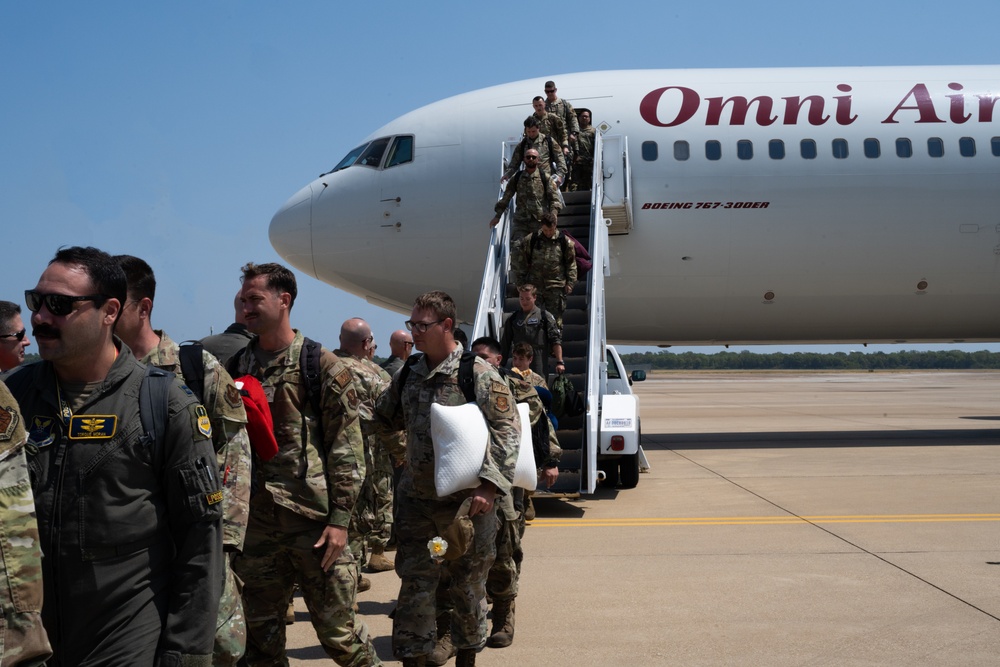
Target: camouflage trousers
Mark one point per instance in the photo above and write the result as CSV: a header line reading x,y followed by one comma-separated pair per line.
x,y
414,628
22,639
277,555
371,521
231,627
521,227
553,299
501,582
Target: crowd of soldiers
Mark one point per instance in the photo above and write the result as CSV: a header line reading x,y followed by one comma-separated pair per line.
x,y
161,502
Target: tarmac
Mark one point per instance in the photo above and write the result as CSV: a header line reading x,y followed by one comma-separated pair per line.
x,y
787,519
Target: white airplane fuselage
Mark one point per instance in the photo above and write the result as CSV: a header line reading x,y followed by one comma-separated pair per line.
x,y
841,247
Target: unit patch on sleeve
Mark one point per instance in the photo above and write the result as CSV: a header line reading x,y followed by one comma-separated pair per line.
x,y
92,427
202,422
343,378
8,422
233,396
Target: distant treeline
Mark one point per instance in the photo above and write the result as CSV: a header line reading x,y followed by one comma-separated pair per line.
x,y
906,359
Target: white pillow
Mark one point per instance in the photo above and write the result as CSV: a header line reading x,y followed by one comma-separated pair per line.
x,y
460,439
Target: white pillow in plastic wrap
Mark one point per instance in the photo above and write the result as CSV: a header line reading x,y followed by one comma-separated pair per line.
x,y
460,439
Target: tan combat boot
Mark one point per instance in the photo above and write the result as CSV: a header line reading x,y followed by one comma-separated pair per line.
x,y
364,583
444,649
378,562
503,624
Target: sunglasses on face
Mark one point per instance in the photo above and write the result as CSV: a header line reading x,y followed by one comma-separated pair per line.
x,y
58,304
19,336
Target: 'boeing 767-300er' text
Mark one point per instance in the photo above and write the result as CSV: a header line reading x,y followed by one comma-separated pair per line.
x,y
767,205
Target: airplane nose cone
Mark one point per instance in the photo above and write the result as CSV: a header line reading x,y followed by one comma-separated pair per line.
x,y
291,230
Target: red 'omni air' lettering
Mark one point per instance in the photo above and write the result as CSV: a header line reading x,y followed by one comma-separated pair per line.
x,y
924,106
739,108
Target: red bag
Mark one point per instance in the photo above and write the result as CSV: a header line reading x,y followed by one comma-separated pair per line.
x,y
260,426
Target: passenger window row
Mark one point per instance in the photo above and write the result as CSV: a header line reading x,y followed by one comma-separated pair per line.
x,y
809,150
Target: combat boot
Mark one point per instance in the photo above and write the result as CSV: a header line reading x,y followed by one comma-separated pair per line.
x,y
444,649
364,583
503,624
378,562
466,657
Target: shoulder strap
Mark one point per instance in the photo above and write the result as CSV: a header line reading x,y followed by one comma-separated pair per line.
x,y
154,393
309,365
465,378
193,367
404,373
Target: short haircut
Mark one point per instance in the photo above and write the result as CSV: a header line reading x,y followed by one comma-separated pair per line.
x,y
537,98
107,277
530,121
527,287
549,84
490,343
279,278
8,309
549,218
460,336
442,305
139,276
523,350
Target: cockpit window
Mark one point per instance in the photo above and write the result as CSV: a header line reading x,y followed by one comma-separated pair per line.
x,y
349,159
372,156
401,152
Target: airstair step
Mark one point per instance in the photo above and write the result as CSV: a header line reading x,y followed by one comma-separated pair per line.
x,y
568,482
571,440
577,197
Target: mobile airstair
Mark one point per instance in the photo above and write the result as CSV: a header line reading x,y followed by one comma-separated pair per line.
x,y
608,430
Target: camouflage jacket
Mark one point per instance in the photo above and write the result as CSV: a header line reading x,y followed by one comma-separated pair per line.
x,y
531,377
222,400
546,158
372,381
534,197
409,407
320,464
564,110
546,263
585,145
555,127
524,392
23,640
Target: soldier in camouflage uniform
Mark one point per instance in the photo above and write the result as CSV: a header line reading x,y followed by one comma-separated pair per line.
x,y
547,260
551,124
422,514
550,158
300,516
222,400
583,160
371,524
537,194
400,346
536,327
521,357
561,108
501,583
24,641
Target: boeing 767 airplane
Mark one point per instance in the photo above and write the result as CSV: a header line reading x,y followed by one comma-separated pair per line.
x,y
765,205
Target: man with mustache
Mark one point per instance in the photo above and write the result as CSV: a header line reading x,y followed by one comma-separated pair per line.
x,y
129,517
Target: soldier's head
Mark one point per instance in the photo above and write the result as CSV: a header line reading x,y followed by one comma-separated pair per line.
x,y
531,128
550,91
140,292
531,159
538,104
432,323
74,307
268,294
488,348
550,224
13,336
522,356
400,344
584,116
526,295
356,337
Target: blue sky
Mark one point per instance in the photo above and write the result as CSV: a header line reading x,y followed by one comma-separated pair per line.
x,y
174,131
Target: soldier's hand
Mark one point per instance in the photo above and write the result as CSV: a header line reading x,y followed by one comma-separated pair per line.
x,y
482,499
549,476
568,289
330,545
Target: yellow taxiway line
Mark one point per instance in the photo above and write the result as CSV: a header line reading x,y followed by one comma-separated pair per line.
x,y
761,520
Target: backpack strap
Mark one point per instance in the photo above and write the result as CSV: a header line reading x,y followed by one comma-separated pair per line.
x,y
311,376
193,368
154,394
466,379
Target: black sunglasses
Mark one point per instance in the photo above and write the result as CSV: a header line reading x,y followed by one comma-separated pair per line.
x,y
19,336
58,304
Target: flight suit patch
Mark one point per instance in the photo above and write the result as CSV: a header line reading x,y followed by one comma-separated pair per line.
x,y
502,403
233,396
8,421
352,398
40,434
202,422
92,427
213,498
343,378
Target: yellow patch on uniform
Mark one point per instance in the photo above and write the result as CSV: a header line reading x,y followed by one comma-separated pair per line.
x,y
203,423
233,397
343,378
501,403
92,427
8,421
213,498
